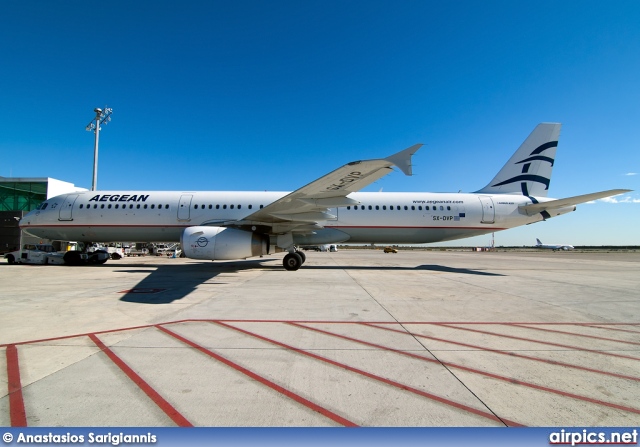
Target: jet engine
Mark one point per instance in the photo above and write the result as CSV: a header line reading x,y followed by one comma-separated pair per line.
x,y
211,243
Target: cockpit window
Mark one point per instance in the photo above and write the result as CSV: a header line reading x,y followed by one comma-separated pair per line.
x,y
42,206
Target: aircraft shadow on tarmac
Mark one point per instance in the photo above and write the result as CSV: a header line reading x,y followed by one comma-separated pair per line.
x,y
169,283
433,268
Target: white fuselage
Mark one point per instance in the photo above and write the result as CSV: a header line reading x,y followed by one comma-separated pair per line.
x,y
162,216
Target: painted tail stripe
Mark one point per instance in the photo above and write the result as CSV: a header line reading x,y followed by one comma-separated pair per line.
x,y
307,403
17,413
377,378
165,406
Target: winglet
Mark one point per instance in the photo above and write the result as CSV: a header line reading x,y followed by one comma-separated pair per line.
x,y
402,159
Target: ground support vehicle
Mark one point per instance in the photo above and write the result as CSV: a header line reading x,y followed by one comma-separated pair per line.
x,y
41,254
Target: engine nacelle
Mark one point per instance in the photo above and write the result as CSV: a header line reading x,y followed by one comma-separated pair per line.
x,y
211,243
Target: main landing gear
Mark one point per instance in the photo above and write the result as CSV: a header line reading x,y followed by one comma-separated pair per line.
x,y
294,260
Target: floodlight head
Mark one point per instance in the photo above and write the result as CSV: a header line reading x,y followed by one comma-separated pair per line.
x,y
97,110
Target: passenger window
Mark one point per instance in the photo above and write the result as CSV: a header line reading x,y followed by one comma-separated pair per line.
x,y
448,208
250,206
217,207
145,207
441,208
420,207
370,208
102,206
138,206
231,206
261,206
210,206
80,206
239,206
109,206
153,206
224,207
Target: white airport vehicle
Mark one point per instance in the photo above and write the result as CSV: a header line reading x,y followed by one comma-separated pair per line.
x,y
227,225
35,254
46,254
553,247
133,251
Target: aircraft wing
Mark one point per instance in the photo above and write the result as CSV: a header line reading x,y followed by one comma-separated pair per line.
x,y
304,207
535,208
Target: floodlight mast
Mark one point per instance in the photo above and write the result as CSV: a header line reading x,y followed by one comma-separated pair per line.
x,y
102,116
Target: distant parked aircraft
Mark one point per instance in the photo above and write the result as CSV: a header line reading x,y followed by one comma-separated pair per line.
x,y
553,247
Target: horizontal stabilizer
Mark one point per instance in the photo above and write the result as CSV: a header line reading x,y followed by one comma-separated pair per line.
x,y
535,208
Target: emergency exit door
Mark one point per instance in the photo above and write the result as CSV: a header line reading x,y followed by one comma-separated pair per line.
x,y
184,207
66,210
488,210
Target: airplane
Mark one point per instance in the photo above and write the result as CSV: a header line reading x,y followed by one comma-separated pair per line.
x,y
230,225
553,247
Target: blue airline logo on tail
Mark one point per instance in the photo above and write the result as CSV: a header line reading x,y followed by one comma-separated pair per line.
x,y
525,169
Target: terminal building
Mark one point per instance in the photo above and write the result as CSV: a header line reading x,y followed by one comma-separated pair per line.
x,y
18,196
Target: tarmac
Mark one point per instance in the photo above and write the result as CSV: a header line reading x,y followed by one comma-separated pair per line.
x,y
353,338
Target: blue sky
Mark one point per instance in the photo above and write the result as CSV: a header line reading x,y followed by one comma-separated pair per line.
x,y
257,95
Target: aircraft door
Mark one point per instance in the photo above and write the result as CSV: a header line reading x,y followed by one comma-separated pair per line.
x,y
488,210
184,207
66,210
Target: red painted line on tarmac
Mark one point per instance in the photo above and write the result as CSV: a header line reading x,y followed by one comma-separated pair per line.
x,y
376,377
165,406
576,334
17,413
290,394
506,323
507,353
614,329
513,337
196,320
483,373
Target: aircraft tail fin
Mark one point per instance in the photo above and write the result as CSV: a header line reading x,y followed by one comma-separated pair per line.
x,y
538,241
528,171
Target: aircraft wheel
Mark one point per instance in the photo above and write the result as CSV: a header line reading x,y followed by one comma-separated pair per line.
x,y
73,257
302,255
98,257
115,256
11,259
292,261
